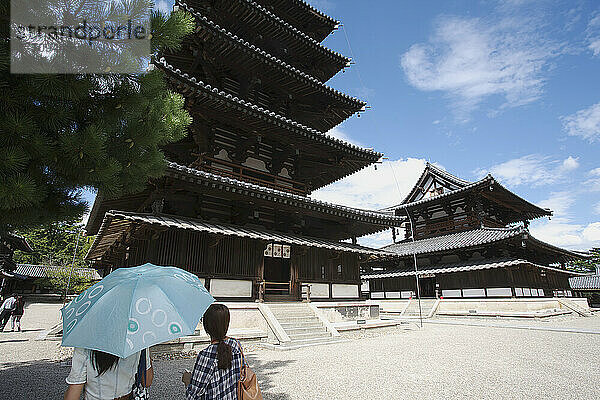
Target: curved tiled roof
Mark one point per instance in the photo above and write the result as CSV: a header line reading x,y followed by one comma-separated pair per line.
x,y
300,35
263,113
430,168
587,282
471,238
41,271
460,267
269,59
316,11
294,199
452,241
487,180
16,242
109,233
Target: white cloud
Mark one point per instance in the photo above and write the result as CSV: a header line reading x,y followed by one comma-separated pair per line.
x,y
532,169
593,35
584,123
561,230
340,134
559,203
591,232
374,189
593,183
376,240
472,59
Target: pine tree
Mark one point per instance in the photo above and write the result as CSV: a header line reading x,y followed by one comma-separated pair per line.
x,y
62,133
55,244
587,264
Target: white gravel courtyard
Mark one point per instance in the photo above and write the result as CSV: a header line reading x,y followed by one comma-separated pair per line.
x,y
436,362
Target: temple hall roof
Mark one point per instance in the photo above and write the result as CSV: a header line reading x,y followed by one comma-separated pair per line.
x,y
455,187
586,282
460,267
473,238
117,222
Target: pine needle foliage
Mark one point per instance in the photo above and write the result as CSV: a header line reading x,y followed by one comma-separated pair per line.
x,y
62,133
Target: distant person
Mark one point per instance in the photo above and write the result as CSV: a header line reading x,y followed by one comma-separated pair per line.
x,y
6,310
217,369
17,314
103,376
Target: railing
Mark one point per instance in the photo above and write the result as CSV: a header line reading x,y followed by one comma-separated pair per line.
x,y
447,225
307,286
248,174
277,288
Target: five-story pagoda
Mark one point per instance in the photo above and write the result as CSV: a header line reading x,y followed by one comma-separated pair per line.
x,y
233,205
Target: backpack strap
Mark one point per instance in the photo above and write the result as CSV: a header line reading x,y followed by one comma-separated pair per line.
x,y
140,377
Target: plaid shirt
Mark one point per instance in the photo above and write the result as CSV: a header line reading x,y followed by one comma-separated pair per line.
x,y
208,381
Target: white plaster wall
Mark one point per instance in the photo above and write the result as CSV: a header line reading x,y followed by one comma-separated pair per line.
x,y
473,292
499,292
339,290
377,295
319,290
451,293
390,305
230,288
392,295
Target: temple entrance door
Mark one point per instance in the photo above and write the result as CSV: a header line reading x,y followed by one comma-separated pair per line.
x,y
277,272
427,287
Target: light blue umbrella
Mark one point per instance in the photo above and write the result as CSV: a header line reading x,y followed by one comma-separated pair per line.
x,y
134,308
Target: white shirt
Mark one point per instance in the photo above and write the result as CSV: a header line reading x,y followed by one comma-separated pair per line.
x,y
9,304
115,382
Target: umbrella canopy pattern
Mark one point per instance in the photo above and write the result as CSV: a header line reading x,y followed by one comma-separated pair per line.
x,y
134,308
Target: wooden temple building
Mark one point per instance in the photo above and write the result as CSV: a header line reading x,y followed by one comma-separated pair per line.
x,y
469,239
233,205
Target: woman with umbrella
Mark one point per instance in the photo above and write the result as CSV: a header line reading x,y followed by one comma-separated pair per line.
x,y
105,376
113,323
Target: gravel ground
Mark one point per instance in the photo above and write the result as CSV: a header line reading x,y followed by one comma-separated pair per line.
x,y
435,362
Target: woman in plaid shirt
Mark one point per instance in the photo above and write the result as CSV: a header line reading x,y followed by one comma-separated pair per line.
x,y
217,369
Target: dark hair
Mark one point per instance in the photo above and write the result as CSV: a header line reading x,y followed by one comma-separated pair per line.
x,y
216,323
102,361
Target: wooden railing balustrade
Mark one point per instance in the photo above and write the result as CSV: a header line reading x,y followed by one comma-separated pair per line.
x,y
248,174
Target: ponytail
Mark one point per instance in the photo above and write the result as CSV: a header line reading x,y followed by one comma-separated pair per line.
x,y
216,323
224,355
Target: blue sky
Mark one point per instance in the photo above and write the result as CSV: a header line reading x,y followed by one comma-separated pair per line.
x,y
507,87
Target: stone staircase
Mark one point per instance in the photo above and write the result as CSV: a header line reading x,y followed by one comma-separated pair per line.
x,y
301,324
574,307
412,310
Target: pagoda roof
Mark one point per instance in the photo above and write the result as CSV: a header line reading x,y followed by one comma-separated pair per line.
x,y
266,122
462,267
489,187
280,196
286,75
300,14
473,238
297,40
116,223
379,221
